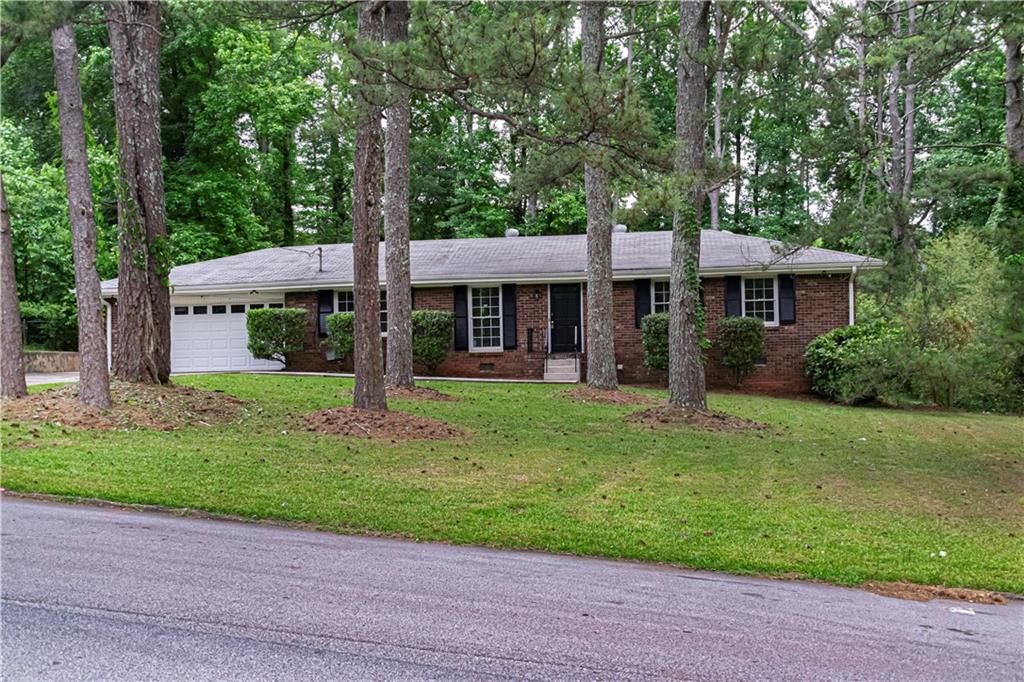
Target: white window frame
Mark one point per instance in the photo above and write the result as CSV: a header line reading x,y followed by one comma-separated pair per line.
x,y
473,348
351,291
775,297
654,298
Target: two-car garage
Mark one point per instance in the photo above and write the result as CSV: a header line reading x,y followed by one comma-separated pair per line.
x,y
208,334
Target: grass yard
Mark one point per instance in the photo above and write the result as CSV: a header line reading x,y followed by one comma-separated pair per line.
x,y
831,493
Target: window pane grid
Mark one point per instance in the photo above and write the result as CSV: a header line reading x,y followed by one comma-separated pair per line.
x,y
485,309
660,299
759,298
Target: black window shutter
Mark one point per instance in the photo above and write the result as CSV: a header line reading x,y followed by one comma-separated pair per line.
x,y
733,297
324,307
787,299
508,316
641,300
461,318
412,298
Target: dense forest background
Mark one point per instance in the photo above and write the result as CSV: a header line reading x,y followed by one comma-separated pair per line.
x,y
258,120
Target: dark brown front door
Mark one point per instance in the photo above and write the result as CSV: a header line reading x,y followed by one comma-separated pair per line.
x,y
566,325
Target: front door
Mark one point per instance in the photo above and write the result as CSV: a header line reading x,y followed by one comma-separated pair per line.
x,y
566,323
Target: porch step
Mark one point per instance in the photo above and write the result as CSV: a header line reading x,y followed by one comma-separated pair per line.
x,y
562,370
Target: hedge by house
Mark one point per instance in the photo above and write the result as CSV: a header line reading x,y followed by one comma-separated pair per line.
x,y
741,341
431,337
654,331
275,332
341,334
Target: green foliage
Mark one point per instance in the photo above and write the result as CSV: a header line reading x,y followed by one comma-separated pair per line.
x,y
50,326
341,334
654,333
431,337
741,342
838,362
275,332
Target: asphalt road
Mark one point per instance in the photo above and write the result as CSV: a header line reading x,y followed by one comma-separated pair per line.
x,y
93,593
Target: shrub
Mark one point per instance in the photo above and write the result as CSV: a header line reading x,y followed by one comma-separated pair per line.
x,y
50,326
654,331
340,334
858,363
275,332
741,340
431,337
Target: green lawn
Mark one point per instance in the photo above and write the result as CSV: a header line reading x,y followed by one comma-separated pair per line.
x,y
832,493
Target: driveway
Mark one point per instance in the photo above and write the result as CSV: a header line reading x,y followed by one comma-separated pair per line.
x,y
99,593
35,378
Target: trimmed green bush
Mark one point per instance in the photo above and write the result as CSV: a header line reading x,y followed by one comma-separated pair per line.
x,y
431,337
340,334
859,363
275,332
741,341
654,331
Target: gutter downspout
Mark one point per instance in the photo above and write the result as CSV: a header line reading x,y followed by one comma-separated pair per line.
x,y
853,299
110,335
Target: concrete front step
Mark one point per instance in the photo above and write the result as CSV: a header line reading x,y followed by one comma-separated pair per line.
x,y
562,377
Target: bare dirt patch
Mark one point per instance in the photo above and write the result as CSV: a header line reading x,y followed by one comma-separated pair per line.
x,y
419,393
916,592
589,396
379,425
706,420
164,408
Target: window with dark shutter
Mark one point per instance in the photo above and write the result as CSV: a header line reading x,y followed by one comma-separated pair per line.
x,y
787,299
733,296
461,310
324,307
508,316
641,300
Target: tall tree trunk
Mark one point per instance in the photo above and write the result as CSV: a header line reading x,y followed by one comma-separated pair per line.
x,y
287,211
862,95
909,114
367,359
143,352
601,371
715,194
94,379
1014,100
12,367
686,387
396,211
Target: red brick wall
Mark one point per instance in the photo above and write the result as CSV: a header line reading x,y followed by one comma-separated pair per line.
x,y
821,305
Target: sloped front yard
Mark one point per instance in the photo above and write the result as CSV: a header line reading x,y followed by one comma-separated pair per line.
x,y
845,495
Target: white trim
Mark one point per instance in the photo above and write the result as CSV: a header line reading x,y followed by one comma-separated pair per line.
x,y
775,297
653,282
501,320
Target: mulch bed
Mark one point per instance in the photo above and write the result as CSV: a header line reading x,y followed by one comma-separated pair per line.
x,y
419,393
928,592
148,406
588,395
670,415
379,425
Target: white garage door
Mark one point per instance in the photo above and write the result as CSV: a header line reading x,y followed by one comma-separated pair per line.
x,y
211,337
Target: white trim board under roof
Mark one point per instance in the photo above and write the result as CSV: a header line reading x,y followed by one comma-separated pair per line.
x,y
503,259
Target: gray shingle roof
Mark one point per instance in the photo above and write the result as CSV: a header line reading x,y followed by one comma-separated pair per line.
x,y
503,259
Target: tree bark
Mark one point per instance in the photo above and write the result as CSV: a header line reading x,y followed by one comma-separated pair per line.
x,y
686,386
287,210
12,367
396,211
715,194
367,359
94,375
143,352
1014,101
909,114
601,371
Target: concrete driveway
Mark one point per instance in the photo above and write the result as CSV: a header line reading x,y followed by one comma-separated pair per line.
x,y
36,378
94,593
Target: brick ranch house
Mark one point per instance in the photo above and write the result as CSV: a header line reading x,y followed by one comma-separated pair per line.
x,y
519,302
